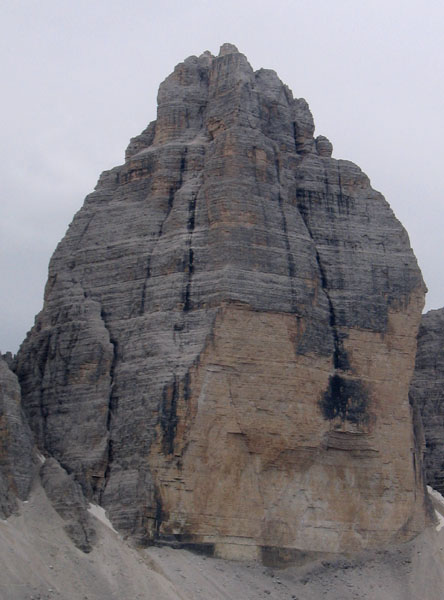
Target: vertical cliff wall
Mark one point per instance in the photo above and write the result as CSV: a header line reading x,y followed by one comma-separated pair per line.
x,y
427,391
17,459
229,331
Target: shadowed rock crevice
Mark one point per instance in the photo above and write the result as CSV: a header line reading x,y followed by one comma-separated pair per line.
x,y
189,261
340,359
168,417
101,482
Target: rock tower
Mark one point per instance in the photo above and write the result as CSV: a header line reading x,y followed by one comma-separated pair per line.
x,y
229,331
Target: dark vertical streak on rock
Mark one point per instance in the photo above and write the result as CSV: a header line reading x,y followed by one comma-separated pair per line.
x,y
340,360
168,417
342,199
42,360
84,232
290,260
171,194
112,407
295,134
112,399
158,516
189,263
187,388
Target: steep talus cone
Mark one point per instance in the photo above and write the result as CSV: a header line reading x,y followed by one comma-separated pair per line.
x,y
427,390
229,330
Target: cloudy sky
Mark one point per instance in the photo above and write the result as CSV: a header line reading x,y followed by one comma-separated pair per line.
x,y
80,78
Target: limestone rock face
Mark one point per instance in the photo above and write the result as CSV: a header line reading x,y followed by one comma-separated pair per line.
x,y
427,390
229,330
16,444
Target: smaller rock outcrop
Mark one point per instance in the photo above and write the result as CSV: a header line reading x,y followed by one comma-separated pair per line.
x,y
16,445
323,146
427,390
67,498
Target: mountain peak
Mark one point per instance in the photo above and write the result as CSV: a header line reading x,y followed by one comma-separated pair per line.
x,y
228,49
214,360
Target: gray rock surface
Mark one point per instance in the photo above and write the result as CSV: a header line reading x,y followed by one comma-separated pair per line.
x,y
323,146
226,200
67,498
17,467
427,390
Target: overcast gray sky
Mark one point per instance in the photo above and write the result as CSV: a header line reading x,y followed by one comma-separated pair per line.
x,y
80,78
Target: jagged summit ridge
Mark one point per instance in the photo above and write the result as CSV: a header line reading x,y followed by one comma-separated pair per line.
x,y
215,359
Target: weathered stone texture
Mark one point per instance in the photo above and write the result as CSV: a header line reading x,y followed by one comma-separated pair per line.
x,y
67,498
427,390
250,441
16,445
229,331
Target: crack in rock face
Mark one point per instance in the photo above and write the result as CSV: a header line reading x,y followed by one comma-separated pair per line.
x,y
228,333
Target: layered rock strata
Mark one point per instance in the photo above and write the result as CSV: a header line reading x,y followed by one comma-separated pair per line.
x,y
427,390
229,330
17,461
68,500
